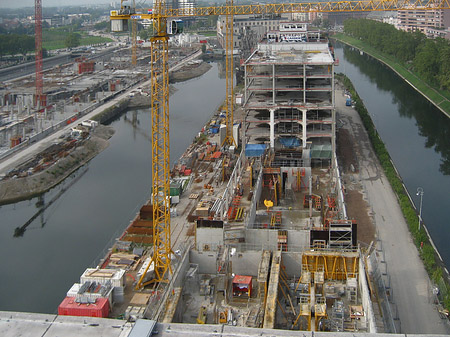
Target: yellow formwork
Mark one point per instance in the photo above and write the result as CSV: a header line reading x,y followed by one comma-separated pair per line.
x,y
334,265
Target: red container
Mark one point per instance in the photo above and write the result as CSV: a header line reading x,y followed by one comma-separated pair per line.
x,y
187,172
69,307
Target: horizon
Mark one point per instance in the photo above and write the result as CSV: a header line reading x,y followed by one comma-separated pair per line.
x,y
7,4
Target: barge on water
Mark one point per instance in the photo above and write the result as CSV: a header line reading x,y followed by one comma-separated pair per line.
x,y
260,232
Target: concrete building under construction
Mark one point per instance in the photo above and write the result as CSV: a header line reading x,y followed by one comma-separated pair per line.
x,y
271,245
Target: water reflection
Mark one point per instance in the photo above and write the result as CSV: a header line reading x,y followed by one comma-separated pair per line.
x,y
431,122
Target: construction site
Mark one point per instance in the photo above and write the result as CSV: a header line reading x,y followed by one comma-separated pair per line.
x,y
260,237
71,91
249,228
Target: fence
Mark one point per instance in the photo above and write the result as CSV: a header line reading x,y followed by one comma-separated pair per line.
x,y
381,281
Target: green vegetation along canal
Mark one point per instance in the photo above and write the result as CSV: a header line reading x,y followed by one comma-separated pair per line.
x,y
416,134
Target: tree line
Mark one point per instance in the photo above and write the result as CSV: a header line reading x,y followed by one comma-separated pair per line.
x,y
13,44
429,58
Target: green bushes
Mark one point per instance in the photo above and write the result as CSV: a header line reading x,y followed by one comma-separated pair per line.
x,y
427,252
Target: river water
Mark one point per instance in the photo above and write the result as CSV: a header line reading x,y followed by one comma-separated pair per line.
x,y
39,267
416,134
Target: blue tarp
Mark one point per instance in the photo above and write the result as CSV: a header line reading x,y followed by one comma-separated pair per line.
x,y
254,150
290,142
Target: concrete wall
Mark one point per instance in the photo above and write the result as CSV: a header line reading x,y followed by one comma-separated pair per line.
x,y
206,261
210,236
292,263
365,297
246,263
242,263
255,199
262,238
298,240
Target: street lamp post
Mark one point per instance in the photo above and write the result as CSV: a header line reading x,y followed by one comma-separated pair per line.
x,y
420,192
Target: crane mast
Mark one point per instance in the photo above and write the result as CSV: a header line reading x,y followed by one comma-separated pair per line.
x,y
159,79
39,100
160,92
134,39
229,48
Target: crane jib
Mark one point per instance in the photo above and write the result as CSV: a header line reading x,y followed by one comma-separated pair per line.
x,y
331,6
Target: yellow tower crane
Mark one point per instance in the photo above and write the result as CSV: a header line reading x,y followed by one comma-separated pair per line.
x,y
229,100
160,88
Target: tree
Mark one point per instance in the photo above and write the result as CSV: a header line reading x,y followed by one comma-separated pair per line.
x,y
143,34
72,40
24,44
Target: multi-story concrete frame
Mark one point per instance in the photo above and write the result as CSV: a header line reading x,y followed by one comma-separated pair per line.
x,y
289,89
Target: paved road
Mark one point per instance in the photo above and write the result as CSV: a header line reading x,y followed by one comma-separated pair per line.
x,y
410,283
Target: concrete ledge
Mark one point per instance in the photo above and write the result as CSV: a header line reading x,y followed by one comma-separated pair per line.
x,y
13,324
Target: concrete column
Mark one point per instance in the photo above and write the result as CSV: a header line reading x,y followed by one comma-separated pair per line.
x,y
273,84
243,140
333,124
332,86
304,84
245,84
272,128
304,128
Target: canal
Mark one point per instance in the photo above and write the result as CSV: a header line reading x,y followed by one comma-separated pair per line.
x,y
416,134
39,267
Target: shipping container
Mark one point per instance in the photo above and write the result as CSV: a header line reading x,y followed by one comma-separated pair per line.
x,y
175,188
102,276
69,307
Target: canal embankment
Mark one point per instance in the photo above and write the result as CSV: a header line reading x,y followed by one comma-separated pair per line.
x,y
26,187
396,219
433,95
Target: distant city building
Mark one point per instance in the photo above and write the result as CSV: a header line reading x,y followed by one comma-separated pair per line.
x,y
389,17
422,20
258,24
184,4
56,20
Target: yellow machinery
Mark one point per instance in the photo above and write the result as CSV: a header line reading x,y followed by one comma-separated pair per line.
x,y
160,87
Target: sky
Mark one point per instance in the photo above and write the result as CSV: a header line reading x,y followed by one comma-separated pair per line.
x,y
51,3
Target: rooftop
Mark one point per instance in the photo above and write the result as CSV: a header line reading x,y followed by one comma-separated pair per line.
x,y
291,53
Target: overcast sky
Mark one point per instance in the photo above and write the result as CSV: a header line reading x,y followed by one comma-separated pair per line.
x,y
52,3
